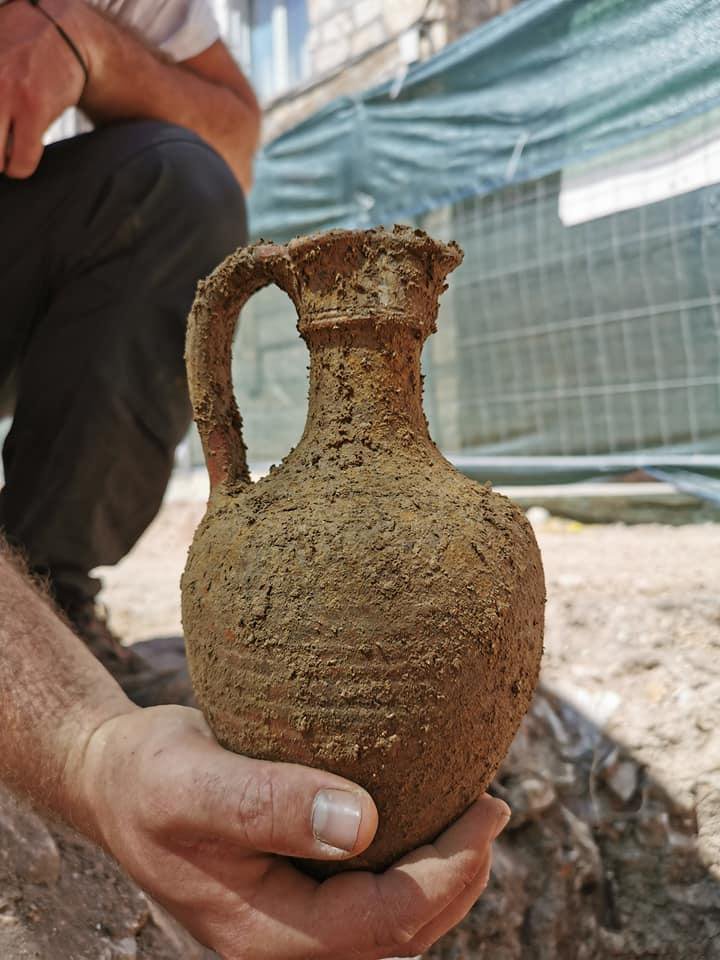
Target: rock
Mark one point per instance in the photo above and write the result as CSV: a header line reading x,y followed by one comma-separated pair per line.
x,y
622,776
183,945
569,581
528,799
125,949
708,813
28,848
599,705
653,828
538,516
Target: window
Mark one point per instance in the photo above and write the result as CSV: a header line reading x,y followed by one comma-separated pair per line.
x,y
269,40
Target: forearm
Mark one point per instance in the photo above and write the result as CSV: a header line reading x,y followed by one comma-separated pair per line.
x,y
53,695
130,81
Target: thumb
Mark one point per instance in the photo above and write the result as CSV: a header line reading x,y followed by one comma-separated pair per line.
x,y
281,808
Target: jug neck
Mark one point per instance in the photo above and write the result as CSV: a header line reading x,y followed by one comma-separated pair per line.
x,y
366,388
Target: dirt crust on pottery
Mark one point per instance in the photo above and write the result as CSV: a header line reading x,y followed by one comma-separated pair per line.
x,y
364,608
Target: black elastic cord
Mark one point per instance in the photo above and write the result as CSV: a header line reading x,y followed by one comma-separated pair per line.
x,y
68,40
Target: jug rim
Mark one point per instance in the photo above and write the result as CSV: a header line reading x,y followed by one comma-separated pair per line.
x,y
402,237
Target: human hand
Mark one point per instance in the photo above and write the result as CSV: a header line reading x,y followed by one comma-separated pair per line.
x,y
207,833
39,78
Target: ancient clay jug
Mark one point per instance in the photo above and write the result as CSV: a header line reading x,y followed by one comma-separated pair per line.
x,y
364,608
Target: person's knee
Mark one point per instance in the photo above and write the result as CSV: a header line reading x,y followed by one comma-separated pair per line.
x,y
168,211
146,187
168,194
207,198
196,194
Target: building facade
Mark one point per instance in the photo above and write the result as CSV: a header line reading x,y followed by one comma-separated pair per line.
x,y
300,54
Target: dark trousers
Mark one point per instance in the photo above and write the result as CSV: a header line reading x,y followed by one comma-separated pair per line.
x,y
100,252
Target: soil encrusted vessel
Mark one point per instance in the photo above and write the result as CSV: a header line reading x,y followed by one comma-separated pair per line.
x,y
364,608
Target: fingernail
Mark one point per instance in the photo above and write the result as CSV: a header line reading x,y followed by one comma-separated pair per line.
x,y
336,816
503,817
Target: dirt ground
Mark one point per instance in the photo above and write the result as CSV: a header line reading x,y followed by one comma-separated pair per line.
x,y
620,758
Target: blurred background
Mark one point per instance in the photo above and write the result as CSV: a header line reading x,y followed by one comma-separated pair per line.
x,y
572,149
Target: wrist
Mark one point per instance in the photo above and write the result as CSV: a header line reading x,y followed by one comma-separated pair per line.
x,y
72,16
111,760
86,737
65,24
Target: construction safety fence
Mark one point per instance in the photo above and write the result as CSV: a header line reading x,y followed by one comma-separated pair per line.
x,y
572,148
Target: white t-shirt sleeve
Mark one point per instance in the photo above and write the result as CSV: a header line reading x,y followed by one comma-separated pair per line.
x,y
180,28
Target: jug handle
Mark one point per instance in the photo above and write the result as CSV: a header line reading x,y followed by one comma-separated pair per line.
x,y
208,353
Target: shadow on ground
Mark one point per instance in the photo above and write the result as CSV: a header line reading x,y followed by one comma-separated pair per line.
x,y
163,653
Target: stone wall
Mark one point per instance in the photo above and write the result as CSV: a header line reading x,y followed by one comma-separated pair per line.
x,y
465,15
